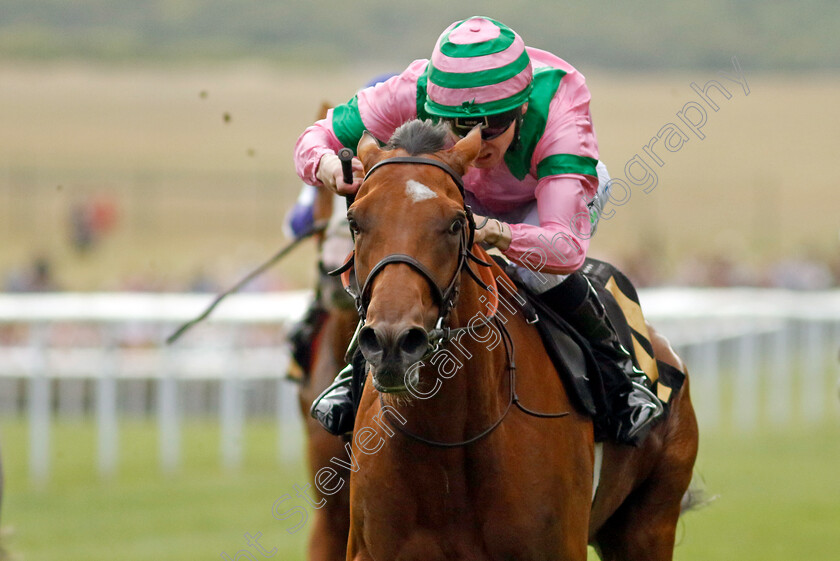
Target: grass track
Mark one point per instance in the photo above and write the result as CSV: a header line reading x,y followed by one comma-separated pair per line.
x,y
778,498
141,514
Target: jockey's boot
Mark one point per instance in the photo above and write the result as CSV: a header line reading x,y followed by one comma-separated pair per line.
x,y
634,407
334,407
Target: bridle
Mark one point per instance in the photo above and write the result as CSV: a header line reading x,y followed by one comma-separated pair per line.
x,y
446,298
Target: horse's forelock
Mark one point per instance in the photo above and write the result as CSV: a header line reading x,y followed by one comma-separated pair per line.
x,y
419,137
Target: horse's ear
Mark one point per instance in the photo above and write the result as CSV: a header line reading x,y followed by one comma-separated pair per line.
x,y
368,150
460,156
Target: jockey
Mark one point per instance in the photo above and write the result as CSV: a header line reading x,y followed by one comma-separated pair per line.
x,y
536,178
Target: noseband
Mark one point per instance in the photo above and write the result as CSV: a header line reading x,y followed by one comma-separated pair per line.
x,y
445,298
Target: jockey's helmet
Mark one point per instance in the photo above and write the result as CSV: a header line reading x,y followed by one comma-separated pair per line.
x,y
479,73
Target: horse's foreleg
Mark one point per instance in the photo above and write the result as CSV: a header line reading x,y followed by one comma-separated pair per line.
x,y
328,540
356,548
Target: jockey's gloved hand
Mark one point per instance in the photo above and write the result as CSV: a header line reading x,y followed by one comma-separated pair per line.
x,y
492,231
329,173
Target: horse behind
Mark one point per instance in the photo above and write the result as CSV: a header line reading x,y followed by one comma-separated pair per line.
x,y
329,529
466,445
331,523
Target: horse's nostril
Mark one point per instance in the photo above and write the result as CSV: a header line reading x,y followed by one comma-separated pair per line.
x,y
369,343
414,342
379,345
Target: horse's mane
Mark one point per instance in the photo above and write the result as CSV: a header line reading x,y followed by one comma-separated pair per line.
x,y
419,137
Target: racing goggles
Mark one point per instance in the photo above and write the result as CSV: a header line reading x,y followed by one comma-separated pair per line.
x,y
492,126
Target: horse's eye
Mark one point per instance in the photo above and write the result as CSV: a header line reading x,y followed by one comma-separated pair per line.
x,y
456,226
354,227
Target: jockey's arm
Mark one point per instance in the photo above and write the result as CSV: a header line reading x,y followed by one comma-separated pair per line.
x,y
331,175
555,238
564,161
314,153
493,231
378,110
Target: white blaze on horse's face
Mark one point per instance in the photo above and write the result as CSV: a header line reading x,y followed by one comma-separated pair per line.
x,y
417,192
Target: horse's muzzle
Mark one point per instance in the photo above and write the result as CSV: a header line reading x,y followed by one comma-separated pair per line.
x,y
390,352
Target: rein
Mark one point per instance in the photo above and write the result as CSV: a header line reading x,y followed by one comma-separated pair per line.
x,y
514,400
446,299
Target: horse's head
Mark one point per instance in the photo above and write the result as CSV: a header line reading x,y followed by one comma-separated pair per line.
x,y
411,230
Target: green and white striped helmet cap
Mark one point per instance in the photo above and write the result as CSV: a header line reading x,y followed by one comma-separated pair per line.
x,y
479,67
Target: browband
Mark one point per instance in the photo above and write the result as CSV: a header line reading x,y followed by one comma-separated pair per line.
x,y
424,161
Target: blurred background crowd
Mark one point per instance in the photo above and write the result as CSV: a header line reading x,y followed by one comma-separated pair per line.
x,y
645,269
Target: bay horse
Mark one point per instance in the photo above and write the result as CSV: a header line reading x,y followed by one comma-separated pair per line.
x,y
331,523
480,454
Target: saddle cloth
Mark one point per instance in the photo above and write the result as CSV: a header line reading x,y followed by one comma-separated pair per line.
x,y
624,310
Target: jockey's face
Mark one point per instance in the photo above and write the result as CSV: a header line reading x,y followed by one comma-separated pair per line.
x,y
493,151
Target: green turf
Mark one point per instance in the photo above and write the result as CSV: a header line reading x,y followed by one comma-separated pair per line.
x,y
778,498
196,513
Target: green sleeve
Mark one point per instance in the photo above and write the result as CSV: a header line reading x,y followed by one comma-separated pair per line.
x,y
558,164
347,123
